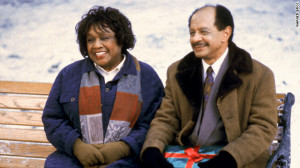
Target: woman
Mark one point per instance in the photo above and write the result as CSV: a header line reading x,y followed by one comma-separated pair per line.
x,y
99,108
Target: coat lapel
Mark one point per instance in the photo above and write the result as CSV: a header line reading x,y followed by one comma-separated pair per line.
x,y
239,62
189,78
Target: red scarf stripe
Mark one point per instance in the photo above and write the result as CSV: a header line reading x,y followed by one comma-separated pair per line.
x,y
89,99
137,114
127,103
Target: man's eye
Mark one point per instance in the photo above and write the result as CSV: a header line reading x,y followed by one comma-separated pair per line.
x,y
192,33
204,32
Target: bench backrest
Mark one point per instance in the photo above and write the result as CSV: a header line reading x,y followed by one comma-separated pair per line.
x,y
22,138
23,142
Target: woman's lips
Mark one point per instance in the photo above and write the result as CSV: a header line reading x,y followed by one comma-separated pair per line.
x,y
100,54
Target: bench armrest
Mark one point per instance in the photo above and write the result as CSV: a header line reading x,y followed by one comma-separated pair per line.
x,y
282,155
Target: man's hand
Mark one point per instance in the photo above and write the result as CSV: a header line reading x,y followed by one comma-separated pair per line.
x,y
113,151
87,154
223,160
153,158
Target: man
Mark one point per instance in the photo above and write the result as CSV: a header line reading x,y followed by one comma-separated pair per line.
x,y
239,98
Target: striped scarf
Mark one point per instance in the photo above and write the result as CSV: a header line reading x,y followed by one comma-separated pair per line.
x,y
126,109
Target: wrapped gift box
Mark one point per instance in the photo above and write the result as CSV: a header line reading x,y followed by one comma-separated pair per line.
x,y
188,157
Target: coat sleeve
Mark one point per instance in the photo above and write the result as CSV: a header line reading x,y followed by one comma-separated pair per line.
x,y
166,123
256,137
152,93
57,125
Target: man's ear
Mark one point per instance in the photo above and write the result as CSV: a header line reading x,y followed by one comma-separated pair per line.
x,y
227,33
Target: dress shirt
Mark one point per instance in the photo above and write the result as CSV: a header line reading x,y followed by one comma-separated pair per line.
x,y
109,75
215,66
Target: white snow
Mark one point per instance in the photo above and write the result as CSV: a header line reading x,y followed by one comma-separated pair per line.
x,y
37,38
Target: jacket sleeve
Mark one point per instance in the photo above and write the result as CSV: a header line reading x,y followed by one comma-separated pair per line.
x,y
152,93
57,125
166,123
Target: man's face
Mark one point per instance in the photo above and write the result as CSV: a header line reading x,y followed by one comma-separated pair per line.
x,y
206,40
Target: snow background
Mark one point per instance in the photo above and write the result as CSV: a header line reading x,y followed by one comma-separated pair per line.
x,y
38,39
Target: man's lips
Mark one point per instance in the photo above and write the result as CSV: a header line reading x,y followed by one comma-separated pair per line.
x,y
199,45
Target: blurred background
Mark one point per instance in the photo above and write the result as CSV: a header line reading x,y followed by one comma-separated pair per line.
x,y
38,39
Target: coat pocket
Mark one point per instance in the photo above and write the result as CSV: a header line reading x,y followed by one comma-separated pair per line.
x,y
69,104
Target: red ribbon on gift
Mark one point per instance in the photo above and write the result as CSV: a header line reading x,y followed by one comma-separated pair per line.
x,y
192,155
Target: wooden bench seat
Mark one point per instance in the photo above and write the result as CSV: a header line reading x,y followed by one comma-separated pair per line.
x,y
23,142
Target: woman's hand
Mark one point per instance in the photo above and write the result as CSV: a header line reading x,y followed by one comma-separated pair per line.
x,y
87,154
113,151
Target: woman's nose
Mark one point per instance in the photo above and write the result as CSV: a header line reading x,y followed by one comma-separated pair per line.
x,y
98,43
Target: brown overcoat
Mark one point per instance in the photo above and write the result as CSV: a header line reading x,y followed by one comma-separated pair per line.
x,y
246,101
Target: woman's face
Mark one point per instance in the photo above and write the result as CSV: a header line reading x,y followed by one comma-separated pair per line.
x,y
103,48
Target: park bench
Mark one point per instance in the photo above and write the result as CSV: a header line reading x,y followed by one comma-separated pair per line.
x,y
23,142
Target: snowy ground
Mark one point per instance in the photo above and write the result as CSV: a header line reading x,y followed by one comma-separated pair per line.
x,y
37,38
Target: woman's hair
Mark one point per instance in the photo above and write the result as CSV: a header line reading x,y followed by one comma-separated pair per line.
x,y
105,18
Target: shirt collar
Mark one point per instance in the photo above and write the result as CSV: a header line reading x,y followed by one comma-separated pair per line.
x,y
128,67
115,70
215,66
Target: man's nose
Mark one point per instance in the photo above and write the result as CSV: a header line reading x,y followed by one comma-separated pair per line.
x,y
196,37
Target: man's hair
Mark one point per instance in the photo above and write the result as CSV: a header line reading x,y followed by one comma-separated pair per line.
x,y
105,18
222,20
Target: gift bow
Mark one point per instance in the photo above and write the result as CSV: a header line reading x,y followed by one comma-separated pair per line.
x,y
192,155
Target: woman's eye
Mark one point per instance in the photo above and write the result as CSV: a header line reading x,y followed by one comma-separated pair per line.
x,y
104,38
90,40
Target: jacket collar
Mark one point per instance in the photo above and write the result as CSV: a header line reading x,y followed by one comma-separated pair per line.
x,y
189,75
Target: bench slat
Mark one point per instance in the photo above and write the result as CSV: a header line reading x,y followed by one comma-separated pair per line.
x,y
13,148
19,162
28,135
21,118
25,87
22,102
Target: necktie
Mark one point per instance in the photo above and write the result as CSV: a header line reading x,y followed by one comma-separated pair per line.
x,y
208,84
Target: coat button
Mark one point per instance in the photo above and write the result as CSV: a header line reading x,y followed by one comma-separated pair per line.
x,y
106,89
72,99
